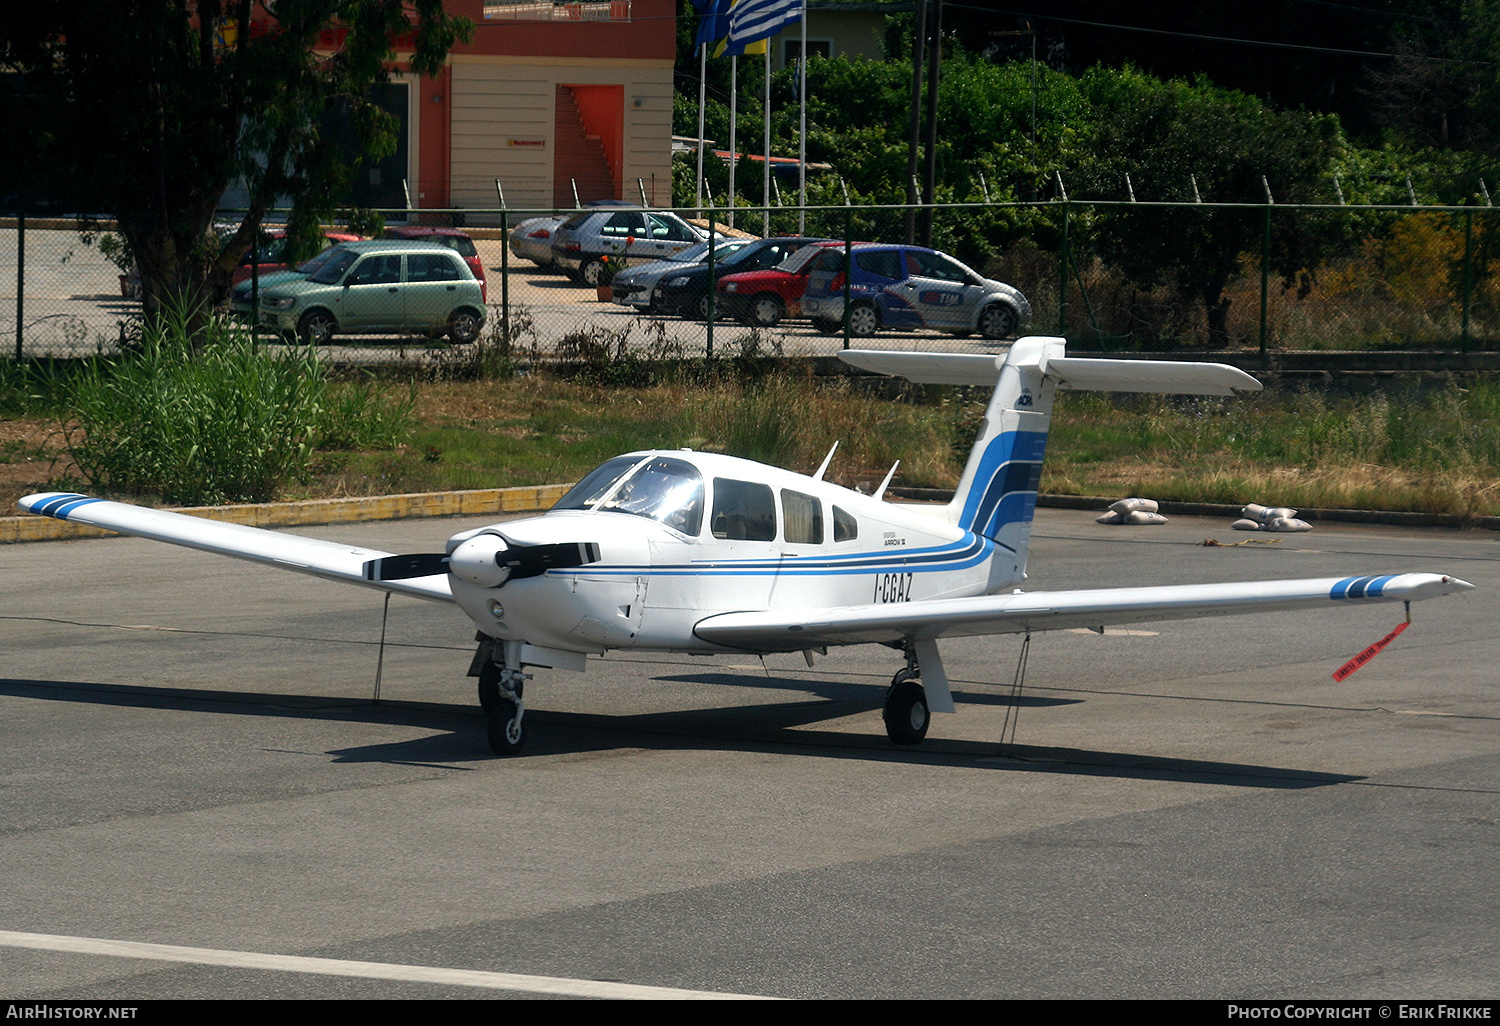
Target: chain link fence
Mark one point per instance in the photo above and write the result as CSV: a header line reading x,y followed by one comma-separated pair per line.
x,y
1108,276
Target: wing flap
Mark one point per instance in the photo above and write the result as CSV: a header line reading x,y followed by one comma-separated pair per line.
x,y
326,559
796,629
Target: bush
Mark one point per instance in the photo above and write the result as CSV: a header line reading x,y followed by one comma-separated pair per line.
x,y
224,421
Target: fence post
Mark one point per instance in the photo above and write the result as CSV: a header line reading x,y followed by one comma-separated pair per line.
x,y
20,277
712,245
848,266
1468,284
1265,281
1062,277
504,274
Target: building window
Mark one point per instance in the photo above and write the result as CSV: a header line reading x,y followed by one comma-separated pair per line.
x,y
791,48
543,10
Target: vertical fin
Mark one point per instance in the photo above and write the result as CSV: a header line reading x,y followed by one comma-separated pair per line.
x,y
996,497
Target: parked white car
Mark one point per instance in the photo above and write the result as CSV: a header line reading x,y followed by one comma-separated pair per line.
x,y
581,240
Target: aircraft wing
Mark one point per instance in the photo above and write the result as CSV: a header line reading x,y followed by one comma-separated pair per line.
x,y
789,630
326,559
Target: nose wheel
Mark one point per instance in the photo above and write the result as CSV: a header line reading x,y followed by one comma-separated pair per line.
x,y
906,713
500,689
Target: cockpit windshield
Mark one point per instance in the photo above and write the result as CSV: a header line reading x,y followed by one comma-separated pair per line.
x,y
597,484
665,490
669,491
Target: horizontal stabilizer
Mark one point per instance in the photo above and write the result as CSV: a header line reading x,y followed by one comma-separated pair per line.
x,y
792,630
1173,376
1065,372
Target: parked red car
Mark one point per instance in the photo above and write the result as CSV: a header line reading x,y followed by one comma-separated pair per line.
x,y
762,298
454,239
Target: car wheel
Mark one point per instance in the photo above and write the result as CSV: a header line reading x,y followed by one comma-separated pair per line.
x,y
701,308
864,320
590,272
766,310
997,321
464,326
316,327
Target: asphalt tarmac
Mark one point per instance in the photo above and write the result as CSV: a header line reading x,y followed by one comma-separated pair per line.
x,y
198,798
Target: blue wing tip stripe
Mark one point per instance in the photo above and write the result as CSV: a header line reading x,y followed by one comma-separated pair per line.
x,y
1360,587
61,504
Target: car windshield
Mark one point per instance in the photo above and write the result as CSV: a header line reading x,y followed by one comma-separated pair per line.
x,y
740,255
801,258
338,262
309,266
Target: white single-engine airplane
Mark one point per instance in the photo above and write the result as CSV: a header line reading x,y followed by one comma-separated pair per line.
x,y
682,551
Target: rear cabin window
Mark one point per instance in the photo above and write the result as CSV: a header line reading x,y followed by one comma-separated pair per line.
x,y
743,511
803,516
883,263
845,527
431,267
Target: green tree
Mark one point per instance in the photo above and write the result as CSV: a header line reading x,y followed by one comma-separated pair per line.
x,y
1181,141
151,109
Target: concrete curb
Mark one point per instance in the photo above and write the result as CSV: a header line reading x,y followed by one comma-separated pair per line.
x,y
476,502
534,499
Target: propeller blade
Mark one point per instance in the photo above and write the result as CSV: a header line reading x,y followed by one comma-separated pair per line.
x,y
535,560
400,568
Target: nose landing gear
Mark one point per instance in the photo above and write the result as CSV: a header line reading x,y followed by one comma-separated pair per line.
x,y
500,687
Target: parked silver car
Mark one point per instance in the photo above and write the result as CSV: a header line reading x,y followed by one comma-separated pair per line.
x,y
532,238
580,241
379,288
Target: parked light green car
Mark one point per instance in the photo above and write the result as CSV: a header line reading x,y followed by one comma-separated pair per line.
x,y
382,287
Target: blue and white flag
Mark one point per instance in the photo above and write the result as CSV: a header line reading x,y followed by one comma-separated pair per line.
x,y
713,23
751,21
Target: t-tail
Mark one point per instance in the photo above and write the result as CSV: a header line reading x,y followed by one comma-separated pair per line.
x,y
996,496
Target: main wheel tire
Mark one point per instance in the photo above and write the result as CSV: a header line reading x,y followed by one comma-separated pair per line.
x,y
766,310
997,321
906,713
827,327
590,273
864,320
464,325
507,731
316,327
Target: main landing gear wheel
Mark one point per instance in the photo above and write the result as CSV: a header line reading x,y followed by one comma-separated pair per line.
x,y
906,713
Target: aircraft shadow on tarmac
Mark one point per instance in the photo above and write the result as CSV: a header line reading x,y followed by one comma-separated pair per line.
x,y
740,728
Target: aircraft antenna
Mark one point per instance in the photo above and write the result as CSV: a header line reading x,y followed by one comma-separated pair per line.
x,y
880,492
826,460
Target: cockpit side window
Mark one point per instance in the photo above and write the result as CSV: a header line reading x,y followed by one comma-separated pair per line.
x,y
597,484
665,490
743,510
845,527
803,516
